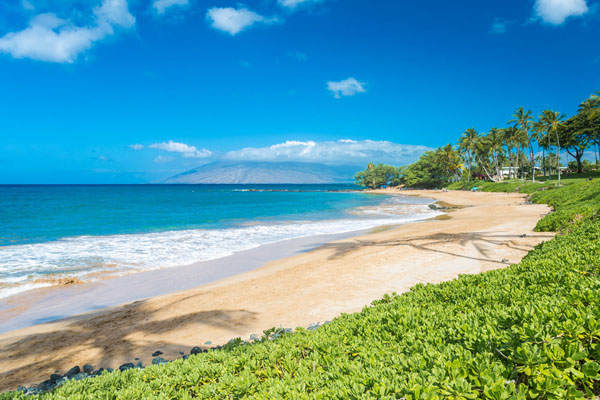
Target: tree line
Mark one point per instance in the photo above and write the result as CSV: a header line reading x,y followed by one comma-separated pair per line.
x,y
527,147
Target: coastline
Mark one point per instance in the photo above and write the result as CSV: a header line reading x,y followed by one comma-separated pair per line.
x,y
338,277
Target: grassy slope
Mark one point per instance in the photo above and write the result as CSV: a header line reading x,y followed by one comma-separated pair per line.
x,y
530,330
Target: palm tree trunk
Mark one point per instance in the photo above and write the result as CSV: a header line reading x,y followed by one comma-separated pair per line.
x,y
510,163
532,162
544,163
558,157
521,164
549,154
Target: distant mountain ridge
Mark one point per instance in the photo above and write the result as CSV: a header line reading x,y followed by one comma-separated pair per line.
x,y
257,172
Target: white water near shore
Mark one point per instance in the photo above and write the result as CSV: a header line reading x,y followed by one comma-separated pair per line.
x,y
91,258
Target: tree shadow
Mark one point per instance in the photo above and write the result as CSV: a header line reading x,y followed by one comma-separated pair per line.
x,y
428,243
58,350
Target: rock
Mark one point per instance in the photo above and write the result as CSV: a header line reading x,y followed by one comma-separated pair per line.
x,y
207,342
21,389
181,353
46,385
139,365
157,353
88,369
55,377
505,260
159,361
80,376
433,206
73,371
186,356
99,372
196,350
33,390
205,351
524,235
126,366
110,369
254,337
136,359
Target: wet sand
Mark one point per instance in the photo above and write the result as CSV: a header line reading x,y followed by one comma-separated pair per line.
x,y
491,230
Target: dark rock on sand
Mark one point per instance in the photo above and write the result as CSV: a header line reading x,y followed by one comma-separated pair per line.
x,y
126,366
55,377
157,353
80,376
159,361
46,385
196,350
73,371
88,369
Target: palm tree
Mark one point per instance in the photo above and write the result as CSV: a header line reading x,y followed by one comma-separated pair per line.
x,y
591,107
450,160
496,143
482,151
521,141
551,120
466,145
544,142
523,119
510,136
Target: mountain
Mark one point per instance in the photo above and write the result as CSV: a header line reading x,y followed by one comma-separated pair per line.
x,y
254,172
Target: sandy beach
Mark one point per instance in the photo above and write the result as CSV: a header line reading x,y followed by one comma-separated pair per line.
x,y
486,231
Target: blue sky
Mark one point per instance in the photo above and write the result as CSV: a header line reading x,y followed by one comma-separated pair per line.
x,y
102,91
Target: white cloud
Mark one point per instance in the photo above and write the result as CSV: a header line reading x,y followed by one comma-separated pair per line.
x,y
347,87
114,12
340,152
557,11
291,4
136,146
162,5
298,55
49,38
27,5
162,159
499,26
185,149
233,21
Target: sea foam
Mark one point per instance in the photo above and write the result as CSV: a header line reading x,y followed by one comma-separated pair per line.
x,y
27,266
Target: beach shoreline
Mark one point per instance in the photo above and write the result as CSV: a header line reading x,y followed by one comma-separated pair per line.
x,y
340,276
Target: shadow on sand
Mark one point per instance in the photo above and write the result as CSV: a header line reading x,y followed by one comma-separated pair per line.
x,y
105,339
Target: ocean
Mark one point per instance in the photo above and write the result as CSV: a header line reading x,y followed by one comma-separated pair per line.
x,y
49,233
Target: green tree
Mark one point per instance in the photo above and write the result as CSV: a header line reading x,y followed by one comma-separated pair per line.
x,y
466,145
510,138
575,138
591,109
496,143
450,160
551,121
376,176
523,120
428,172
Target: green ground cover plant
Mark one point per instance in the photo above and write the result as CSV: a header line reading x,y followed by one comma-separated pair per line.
x,y
531,330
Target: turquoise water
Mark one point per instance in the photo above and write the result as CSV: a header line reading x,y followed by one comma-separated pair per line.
x,y
49,232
